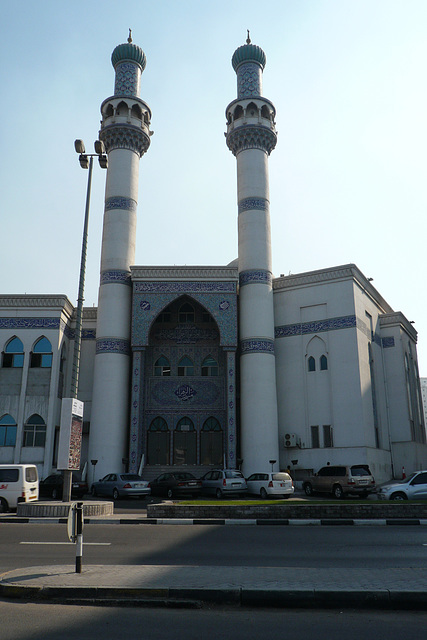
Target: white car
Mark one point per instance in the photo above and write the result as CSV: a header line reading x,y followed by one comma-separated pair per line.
x,y
412,487
270,484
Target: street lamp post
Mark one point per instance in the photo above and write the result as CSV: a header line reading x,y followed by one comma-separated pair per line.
x,y
86,162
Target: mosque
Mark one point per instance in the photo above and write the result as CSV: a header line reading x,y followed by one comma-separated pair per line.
x,y
206,366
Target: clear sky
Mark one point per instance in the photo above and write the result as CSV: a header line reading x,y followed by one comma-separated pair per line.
x,y
347,179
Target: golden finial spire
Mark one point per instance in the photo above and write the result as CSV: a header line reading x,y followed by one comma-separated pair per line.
x,y
130,36
248,39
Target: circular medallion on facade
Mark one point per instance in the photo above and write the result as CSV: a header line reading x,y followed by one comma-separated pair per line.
x,y
145,305
224,305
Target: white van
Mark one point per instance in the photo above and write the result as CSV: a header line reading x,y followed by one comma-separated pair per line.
x,y
18,483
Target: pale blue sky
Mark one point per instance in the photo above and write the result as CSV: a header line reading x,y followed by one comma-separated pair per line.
x,y
347,179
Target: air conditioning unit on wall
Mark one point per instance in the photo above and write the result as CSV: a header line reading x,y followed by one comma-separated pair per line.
x,y
290,440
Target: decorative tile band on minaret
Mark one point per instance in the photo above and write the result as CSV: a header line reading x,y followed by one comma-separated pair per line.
x,y
251,136
125,132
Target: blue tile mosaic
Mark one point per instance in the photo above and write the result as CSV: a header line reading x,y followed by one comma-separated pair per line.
x,y
260,276
248,80
113,345
116,277
388,342
257,346
223,310
302,328
127,79
119,202
249,204
169,393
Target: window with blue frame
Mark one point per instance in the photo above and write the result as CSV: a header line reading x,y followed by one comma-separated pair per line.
x,y
13,355
41,355
162,367
8,429
209,367
185,367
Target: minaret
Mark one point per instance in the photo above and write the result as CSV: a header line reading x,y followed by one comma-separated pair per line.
x,y
251,136
126,135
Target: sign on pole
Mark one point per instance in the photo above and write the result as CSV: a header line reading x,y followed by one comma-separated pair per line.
x,y
70,434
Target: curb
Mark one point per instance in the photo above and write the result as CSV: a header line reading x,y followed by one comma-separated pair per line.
x,y
236,597
226,522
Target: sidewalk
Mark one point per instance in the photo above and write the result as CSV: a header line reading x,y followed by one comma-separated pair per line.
x,y
196,586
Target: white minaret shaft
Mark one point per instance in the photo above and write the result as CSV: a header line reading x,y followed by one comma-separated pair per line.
x,y
251,136
126,136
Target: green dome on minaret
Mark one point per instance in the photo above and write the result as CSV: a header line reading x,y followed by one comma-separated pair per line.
x,y
128,51
248,53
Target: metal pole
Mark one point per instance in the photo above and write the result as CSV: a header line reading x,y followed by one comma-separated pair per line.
x,y
66,494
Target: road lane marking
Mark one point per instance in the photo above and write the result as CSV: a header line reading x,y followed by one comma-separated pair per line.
x,y
98,544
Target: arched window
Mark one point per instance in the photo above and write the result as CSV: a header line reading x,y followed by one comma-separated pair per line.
x,y
211,447
136,112
122,109
162,367
265,112
185,367
13,356
109,111
42,354
34,431
158,439
323,363
165,315
186,313
185,443
238,112
7,431
209,367
251,110
311,364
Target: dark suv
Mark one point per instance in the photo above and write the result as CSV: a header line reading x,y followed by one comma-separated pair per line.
x,y
356,479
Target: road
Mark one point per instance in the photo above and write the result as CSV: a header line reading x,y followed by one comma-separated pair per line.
x,y
26,621
24,545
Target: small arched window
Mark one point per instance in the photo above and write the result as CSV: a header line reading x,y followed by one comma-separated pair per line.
x,y
7,431
162,367
209,367
265,112
238,112
186,313
251,110
109,111
323,363
34,431
42,354
13,356
311,364
122,109
136,112
165,315
185,367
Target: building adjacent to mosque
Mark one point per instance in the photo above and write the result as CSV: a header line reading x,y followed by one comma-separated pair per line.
x,y
208,366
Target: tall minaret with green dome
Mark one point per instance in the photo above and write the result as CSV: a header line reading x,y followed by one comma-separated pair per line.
x,y
125,132
251,136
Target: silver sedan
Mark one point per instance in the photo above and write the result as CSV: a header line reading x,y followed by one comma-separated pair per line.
x,y
120,485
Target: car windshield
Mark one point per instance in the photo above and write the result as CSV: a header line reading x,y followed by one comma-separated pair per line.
x,y
233,474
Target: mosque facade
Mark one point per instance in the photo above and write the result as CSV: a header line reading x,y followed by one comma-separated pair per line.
x,y
211,366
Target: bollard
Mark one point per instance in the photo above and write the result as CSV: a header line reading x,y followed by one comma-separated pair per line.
x,y
79,536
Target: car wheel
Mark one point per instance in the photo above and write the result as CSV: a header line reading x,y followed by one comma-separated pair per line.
x,y
169,494
115,494
93,492
308,489
399,495
218,494
337,492
3,505
263,493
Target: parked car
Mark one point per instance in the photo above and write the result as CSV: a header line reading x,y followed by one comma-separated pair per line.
x,y
179,483
414,486
222,482
270,484
121,485
53,485
355,479
18,483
